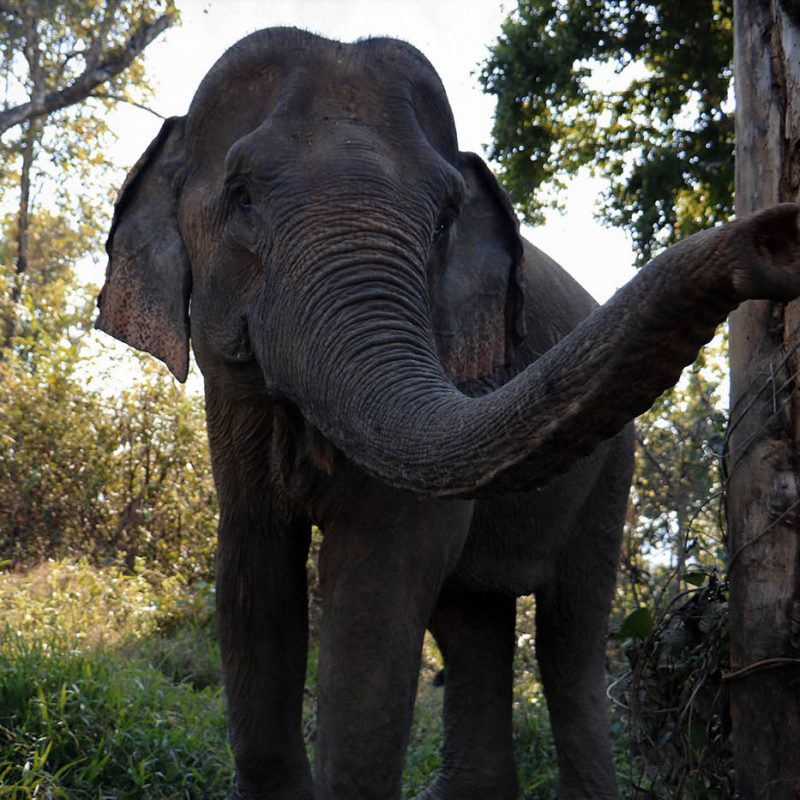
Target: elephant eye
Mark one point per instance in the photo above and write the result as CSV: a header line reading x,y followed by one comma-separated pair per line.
x,y
242,199
443,226
241,222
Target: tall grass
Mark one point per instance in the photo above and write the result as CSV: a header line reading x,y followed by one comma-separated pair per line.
x,y
109,687
96,724
110,690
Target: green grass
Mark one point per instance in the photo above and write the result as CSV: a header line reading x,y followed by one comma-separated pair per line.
x,y
97,724
110,689
423,754
533,745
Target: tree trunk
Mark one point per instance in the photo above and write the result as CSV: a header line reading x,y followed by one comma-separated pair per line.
x,y
763,491
29,142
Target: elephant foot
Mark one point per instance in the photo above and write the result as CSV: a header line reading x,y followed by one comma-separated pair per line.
x,y
240,795
301,792
442,789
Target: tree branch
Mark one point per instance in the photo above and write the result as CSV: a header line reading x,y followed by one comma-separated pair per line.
x,y
118,98
88,81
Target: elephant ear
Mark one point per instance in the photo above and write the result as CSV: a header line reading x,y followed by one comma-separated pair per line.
x,y
145,299
477,301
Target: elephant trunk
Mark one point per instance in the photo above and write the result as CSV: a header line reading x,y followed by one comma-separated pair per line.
x,y
382,397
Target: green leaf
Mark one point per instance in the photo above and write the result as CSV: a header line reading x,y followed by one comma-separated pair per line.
x,y
694,578
637,625
698,735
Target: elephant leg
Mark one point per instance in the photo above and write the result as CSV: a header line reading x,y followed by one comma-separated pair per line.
x,y
382,564
262,607
475,632
263,620
571,627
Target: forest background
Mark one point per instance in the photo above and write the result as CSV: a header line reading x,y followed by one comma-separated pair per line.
x,y
109,669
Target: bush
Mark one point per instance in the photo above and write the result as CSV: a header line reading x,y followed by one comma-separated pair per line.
x,y
76,605
113,478
676,699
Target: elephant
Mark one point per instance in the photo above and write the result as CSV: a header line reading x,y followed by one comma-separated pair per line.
x,y
383,355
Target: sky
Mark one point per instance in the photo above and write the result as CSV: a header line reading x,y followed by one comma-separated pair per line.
x,y
453,34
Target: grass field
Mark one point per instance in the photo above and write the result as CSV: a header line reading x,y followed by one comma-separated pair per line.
x,y
110,688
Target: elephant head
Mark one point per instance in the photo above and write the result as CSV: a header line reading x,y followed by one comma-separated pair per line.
x,y
343,255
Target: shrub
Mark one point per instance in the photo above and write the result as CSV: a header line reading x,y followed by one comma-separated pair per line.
x,y
82,473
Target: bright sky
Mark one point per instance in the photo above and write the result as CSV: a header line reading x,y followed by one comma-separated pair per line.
x,y
453,34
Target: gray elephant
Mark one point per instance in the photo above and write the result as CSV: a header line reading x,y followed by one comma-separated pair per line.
x,y
385,356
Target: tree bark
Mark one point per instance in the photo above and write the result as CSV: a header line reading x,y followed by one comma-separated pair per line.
x,y
29,142
762,459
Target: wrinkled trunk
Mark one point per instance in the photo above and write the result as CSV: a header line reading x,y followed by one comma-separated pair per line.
x,y
382,397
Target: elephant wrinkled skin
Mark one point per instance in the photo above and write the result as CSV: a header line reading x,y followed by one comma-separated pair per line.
x,y
384,355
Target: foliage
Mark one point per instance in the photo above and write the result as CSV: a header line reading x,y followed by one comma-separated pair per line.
x,y
60,55
113,478
95,725
109,686
50,306
638,91
534,748
423,755
81,472
675,637
81,607
676,700
52,197
674,523
89,704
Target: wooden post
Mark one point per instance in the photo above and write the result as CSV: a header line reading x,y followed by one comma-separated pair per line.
x,y
763,454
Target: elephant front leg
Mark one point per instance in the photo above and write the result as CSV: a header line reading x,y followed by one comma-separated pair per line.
x,y
263,620
382,567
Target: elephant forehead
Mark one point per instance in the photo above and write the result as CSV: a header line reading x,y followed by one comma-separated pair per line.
x,y
306,78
